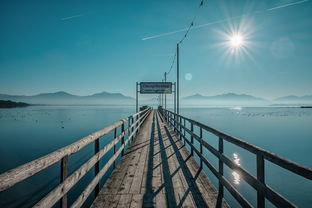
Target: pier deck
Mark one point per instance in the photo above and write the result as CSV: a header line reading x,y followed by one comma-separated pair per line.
x,y
157,171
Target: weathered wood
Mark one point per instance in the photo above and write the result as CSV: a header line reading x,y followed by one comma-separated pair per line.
x,y
80,200
260,178
164,167
50,199
97,165
27,170
257,183
280,161
221,190
64,172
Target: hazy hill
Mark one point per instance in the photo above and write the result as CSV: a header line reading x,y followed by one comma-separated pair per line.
x,y
306,99
227,99
11,104
60,98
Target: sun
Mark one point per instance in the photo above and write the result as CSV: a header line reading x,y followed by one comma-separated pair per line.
x,y
236,41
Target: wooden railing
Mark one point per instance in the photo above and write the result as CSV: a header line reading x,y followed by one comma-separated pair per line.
x,y
179,124
59,193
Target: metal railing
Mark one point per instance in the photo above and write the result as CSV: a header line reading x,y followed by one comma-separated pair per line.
x,y
179,125
59,193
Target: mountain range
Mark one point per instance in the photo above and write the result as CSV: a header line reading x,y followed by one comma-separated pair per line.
x,y
61,97
293,98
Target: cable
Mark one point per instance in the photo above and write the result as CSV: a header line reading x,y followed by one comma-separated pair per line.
x,y
174,58
192,23
185,35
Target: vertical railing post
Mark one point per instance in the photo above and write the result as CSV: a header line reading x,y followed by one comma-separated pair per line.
x,y
221,189
97,165
192,139
129,128
131,124
184,131
115,135
137,118
123,138
180,124
201,146
174,123
64,172
260,177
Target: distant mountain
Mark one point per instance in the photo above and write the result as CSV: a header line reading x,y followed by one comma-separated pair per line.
x,y
227,96
61,97
228,99
60,94
110,95
293,98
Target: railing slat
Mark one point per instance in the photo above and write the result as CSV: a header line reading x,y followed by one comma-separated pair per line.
x,y
84,195
50,199
258,183
27,170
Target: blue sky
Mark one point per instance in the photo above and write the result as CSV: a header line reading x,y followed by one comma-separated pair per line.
x,y
84,47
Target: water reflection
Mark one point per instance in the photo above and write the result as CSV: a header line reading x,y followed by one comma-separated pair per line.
x,y
236,176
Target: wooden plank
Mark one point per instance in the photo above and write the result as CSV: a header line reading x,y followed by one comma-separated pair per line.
x,y
194,171
124,201
113,186
107,200
138,175
182,196
136,201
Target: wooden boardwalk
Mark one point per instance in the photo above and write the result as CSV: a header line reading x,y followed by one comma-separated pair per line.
x,y
157,171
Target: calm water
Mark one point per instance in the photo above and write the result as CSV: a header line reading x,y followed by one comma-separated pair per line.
x,y
27,133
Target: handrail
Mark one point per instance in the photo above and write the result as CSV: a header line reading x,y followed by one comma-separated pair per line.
x,y
258,183
18,174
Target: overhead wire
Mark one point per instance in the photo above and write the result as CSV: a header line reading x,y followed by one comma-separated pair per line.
x,y
185,35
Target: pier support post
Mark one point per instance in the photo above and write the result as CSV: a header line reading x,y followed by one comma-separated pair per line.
x,y
115,135
97,166
123,138
260,177
137,98
64,172
184,131
201,146
192,139
221,188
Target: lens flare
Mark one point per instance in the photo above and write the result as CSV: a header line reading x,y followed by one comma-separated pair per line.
x,y
236,41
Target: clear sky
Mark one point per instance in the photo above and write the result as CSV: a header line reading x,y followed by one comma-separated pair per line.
x,y
84,47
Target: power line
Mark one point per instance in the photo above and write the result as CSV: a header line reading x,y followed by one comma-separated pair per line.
x,y
186,33
192,23
173,60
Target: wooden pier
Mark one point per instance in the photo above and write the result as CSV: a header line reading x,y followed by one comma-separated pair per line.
x,y
156,169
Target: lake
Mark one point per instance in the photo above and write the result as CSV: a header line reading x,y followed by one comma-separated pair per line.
x,y
28,133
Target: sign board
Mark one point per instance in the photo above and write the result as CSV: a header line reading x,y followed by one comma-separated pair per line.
x,y
155,87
